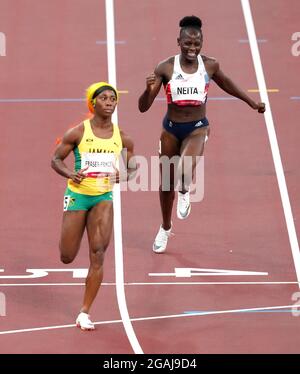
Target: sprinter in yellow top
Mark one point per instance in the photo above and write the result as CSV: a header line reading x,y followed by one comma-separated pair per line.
x,y
97,144
97,156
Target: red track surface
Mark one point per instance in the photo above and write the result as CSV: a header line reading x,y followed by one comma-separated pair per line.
x,y
52,53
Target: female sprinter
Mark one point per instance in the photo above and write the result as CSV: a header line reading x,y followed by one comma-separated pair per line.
x,y
186,78
96,143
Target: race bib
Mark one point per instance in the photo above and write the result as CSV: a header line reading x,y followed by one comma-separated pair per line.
x,y
98,163
188,91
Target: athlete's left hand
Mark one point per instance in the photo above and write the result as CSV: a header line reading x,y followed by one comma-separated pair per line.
x,y
260,107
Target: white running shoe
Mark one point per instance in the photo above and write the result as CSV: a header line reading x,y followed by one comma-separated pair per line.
x,y
183,205
161,240
83,321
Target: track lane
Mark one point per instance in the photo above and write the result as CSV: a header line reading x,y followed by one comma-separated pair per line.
x,y
241,211
54,52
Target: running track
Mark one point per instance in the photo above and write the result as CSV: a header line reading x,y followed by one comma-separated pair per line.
x,y
56,49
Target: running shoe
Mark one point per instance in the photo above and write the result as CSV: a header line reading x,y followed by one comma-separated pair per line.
x,y
83,321
161,240
183,205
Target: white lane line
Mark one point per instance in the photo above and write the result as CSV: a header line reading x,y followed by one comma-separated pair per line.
x,y
112,78
104,42
150,284
272,137
202,272
181,315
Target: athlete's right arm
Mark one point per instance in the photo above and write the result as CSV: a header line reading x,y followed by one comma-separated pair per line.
x,y
70,140
153,85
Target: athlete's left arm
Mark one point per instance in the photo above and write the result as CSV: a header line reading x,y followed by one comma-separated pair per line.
x,y
227,85
128,157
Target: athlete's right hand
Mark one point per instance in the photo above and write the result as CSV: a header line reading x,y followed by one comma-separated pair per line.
x,y
78,176
150,81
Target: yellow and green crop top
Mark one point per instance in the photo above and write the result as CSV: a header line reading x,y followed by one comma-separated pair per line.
x,y
99,155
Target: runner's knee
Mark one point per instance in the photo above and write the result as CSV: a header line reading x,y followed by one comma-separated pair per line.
x,y
97,256
66,259
66,255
